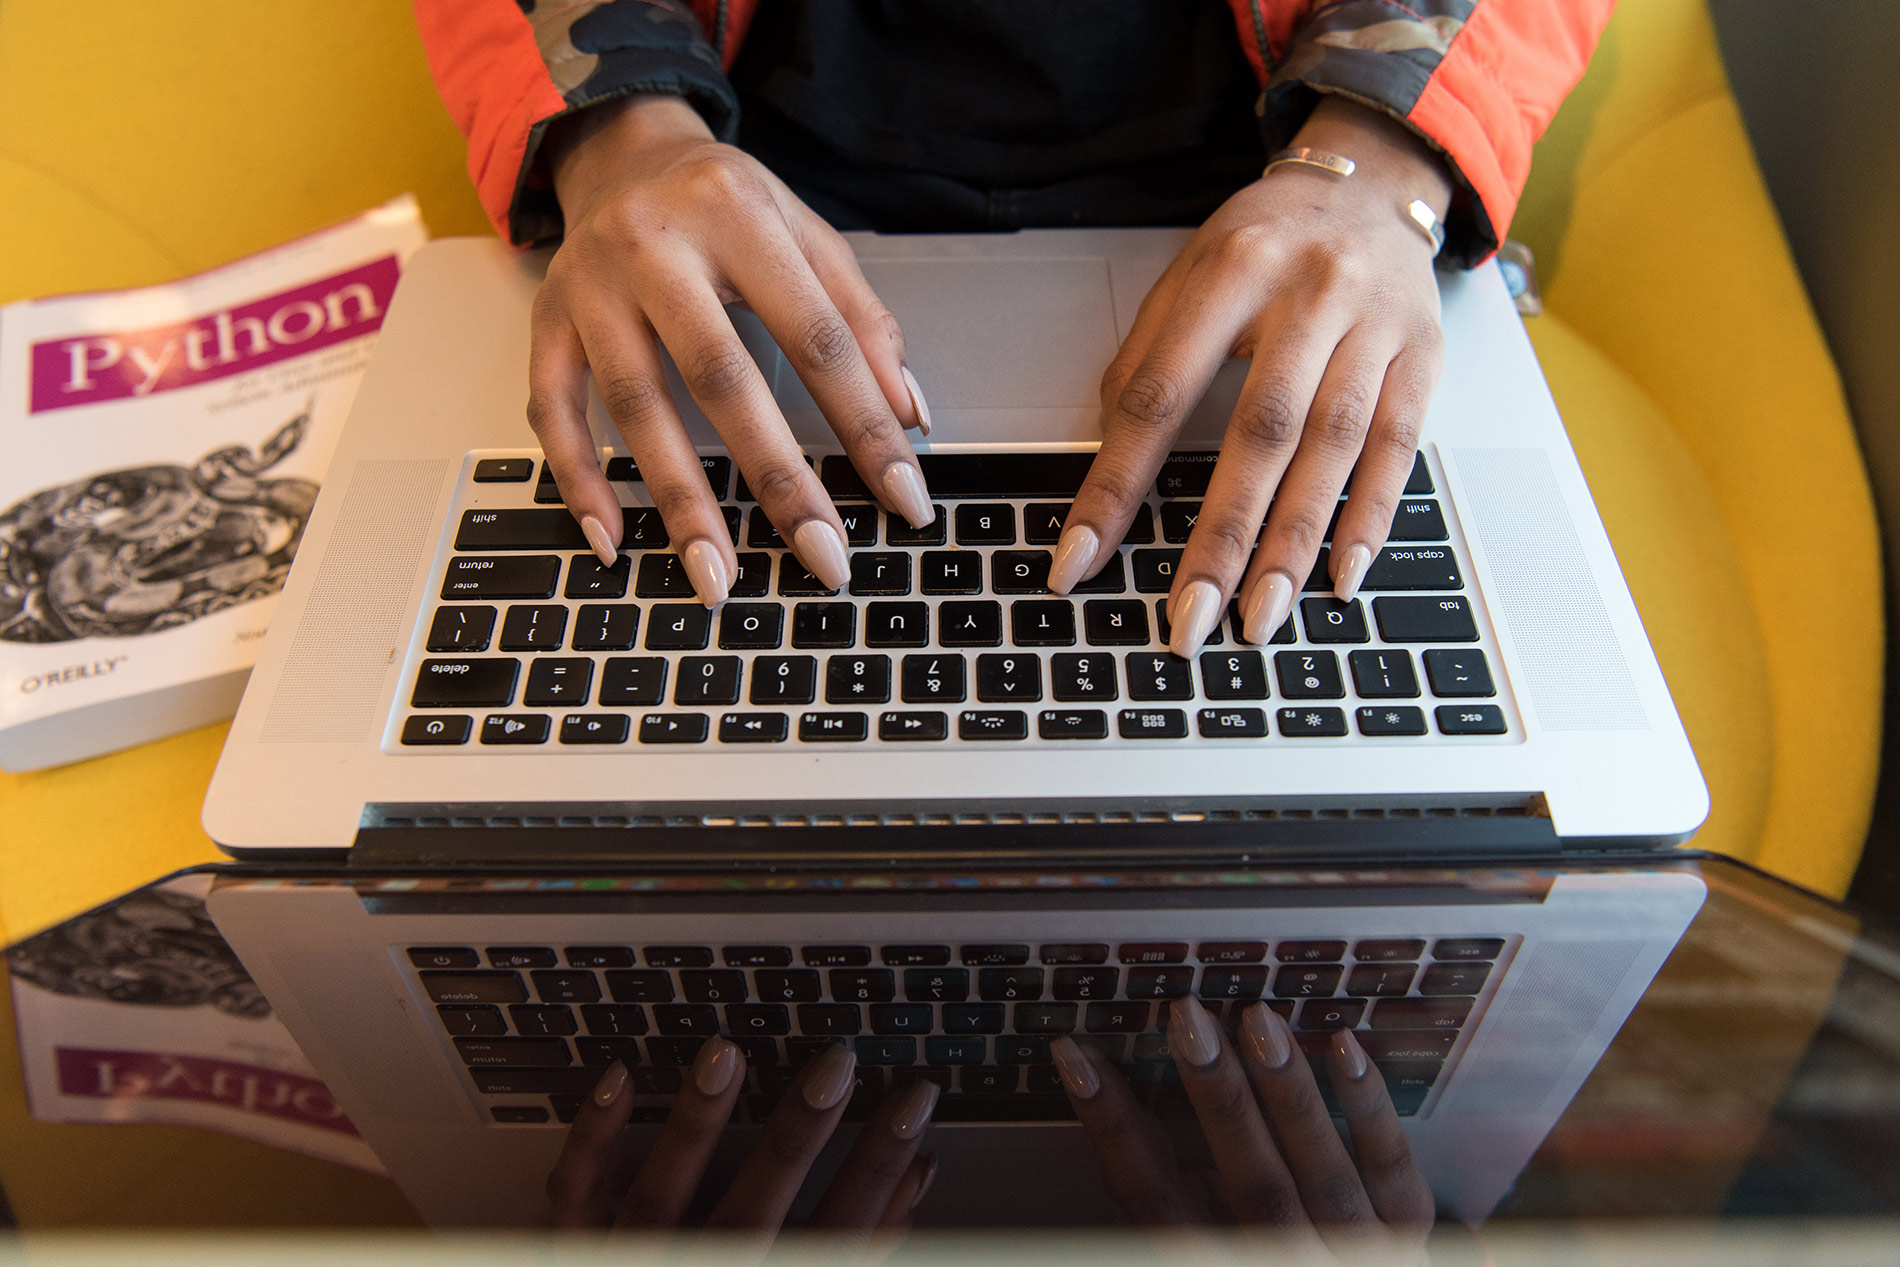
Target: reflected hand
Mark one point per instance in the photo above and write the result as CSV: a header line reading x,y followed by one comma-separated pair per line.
x,y
598,1182
664,226
1287,1169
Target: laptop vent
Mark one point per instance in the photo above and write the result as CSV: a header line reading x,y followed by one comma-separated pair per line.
x,y
472,817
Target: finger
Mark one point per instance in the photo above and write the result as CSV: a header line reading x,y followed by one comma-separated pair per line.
x,y
1331,438
729,389
1290,355
1328,1180
823,349
580,1187
1155,306
1378,481
1398,1192
769,1179
1137,1164
557,414
867,1182
909,1195
627,368
1254,1177
663,1189
1140,425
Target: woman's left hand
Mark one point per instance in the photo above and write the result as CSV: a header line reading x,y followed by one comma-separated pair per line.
x,y
1328,286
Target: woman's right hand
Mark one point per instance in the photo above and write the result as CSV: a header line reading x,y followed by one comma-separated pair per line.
x,y
665,226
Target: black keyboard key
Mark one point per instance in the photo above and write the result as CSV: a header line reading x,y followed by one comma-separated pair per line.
x,y
1243,983
1020,571
915,956
1458,673
858,679
1232,723
660,1081
898,532
1083,677
1045,1018
1021,1049
977,624
1418,521
887,1051
863,985
1108,622
1380,721
1310,951
1042,522
461,629
912,727
992,724
707,679
640,985
670,728
586,578
1115,1018
951,572
1378,980
758,1020
678,627
1429,618
988,1079
880,572
642,529
755,575
599,957
1329,620
824,624
1099,982
1383,674
515,728
1470,719
753,727
1160,983
504,470
1154,570
491,576
543,1020
475,987
828,1018
1042,623
1159,675
955,476
860,526
896,624
535,627
1331,1014
1072,723
1420,480
1311,723
614,1020
1233,675
794,985
1008,677
760,533
1467,949
481,1021
751,626
1007,985
832,727
795,580
675,1052
1152,723
901,1018
680,956
1431,1014
1387,950
558,682
1231,951
1178,519
606,627
553,529
1309,675
713,985
784,679
995,955
465,683
1306,981
697,1020
933,679
1413,568
443,957
986,524
1454,978
556,985
1186,474
973,1018
578,1080
632,680
756,956
936,985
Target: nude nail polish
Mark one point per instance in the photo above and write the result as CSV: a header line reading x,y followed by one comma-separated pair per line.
x,y
715,1066
1192,1033
1265,609
913,1114
829,1078
820,548
596,534
1266,1036
1353,565
917,401
706,569
611,1084
930,1177
1348,1046
904,486
1075,556
1195,614
1074,1068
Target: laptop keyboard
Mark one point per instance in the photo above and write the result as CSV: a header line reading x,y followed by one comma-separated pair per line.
x,y
535,1025
945,635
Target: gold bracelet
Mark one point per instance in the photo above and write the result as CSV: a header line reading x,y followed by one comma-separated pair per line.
x,y
1305,157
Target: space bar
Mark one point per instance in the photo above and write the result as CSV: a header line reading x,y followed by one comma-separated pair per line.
x,y
963,475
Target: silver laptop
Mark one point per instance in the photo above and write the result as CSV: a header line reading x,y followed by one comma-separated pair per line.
x,y
451,677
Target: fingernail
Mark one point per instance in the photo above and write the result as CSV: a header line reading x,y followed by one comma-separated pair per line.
x,y
596,534
1075,1069
1268,1040
706,569
913,1114
1192,1033
828,1079
611,1084
1266,608
1348,1046
917,403
930,1177
1075,555
1194,615
1352,571
820,548
904,485
715,1066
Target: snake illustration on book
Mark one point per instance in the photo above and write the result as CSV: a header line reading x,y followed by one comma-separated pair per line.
x,y
146,548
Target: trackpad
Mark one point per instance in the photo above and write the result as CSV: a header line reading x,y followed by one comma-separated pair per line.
x,y
995,334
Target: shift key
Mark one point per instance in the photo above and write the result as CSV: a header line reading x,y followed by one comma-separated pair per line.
x,y
501,576
486,683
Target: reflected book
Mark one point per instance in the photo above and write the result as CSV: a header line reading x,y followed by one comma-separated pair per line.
x,y
164,447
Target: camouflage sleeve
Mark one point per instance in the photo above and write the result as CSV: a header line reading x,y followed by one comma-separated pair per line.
x,y
1478,79
507,69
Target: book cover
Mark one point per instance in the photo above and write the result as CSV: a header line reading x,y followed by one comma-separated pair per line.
x,y
163,449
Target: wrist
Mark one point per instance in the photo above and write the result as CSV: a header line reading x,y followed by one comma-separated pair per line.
x,y
586,150
1385,151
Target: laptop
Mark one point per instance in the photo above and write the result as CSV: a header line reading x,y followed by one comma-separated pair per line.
x,y
451,676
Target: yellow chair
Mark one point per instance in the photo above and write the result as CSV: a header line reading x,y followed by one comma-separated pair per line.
x,y
141,142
